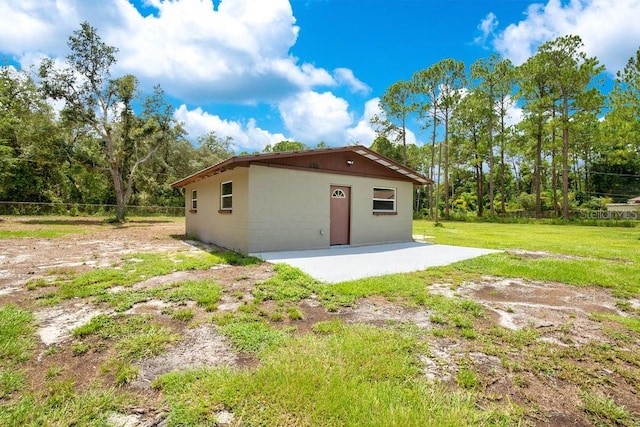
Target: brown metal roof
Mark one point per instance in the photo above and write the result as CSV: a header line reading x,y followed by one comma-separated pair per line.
x,y
333,160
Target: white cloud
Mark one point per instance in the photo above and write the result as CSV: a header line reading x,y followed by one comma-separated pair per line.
x,y
487,27
608,28
238,54
313,117
246,136
345,76
514,113
363,133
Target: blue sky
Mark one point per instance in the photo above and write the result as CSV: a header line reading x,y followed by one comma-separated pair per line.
x,y
261,71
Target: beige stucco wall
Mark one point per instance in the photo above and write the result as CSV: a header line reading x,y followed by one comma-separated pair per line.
x,y
367,228
278,209
209,225
289,210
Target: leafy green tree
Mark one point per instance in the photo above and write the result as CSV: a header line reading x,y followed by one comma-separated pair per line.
x,y
397,104
571,73
30,167
496,82
617,167
285,146
536,92
469,132
426,85
385,147
96,103
453,80
440,85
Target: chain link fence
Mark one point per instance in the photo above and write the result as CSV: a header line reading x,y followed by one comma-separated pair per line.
x,y
82,209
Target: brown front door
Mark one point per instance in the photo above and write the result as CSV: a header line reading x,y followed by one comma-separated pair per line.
x,y
340,214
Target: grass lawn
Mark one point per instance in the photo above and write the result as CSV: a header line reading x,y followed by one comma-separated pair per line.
x,y
576,255
322,366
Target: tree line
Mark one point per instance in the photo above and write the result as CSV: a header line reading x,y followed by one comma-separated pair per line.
x,y
573,147
108,143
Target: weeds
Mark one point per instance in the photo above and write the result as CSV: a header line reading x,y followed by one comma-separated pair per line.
x,y
134,269
466,378
204,292
343,375
136,336
294,313
65,408
604,411
253,336
123,371
289,284
184,314
11,380
16,335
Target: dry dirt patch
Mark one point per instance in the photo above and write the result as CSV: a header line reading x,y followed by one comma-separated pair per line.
x,y
561,313
200,347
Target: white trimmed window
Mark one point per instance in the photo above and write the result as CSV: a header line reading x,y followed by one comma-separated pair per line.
x,y
384,199
226,196
194,200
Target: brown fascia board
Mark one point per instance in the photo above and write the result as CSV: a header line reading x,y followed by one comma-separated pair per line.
x,y
404,172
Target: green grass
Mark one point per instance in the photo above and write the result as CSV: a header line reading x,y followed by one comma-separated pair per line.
x,y
602,410
103,325
38,234
16,335
133,269
183,314
11,380
289,284
347,376
250,333
204,292
598,242
632,323
136,337
603,256
146,343
61,406
341,374
125,299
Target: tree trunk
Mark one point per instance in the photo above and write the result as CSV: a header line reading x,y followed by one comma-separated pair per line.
x,y
404,141
479,186
537,174
432,200
554,164
121,205
503,207
492,189
438,182
446,164
565,158
554,182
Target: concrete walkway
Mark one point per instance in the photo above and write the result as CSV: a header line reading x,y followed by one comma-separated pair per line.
x,y
342,263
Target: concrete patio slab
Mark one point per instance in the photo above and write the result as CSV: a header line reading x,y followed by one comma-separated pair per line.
x,y
342,263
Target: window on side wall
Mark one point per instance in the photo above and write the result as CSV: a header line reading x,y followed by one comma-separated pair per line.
x,y
194,200
384,199
226,196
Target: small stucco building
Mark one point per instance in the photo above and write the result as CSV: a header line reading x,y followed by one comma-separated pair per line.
x,y
299,200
